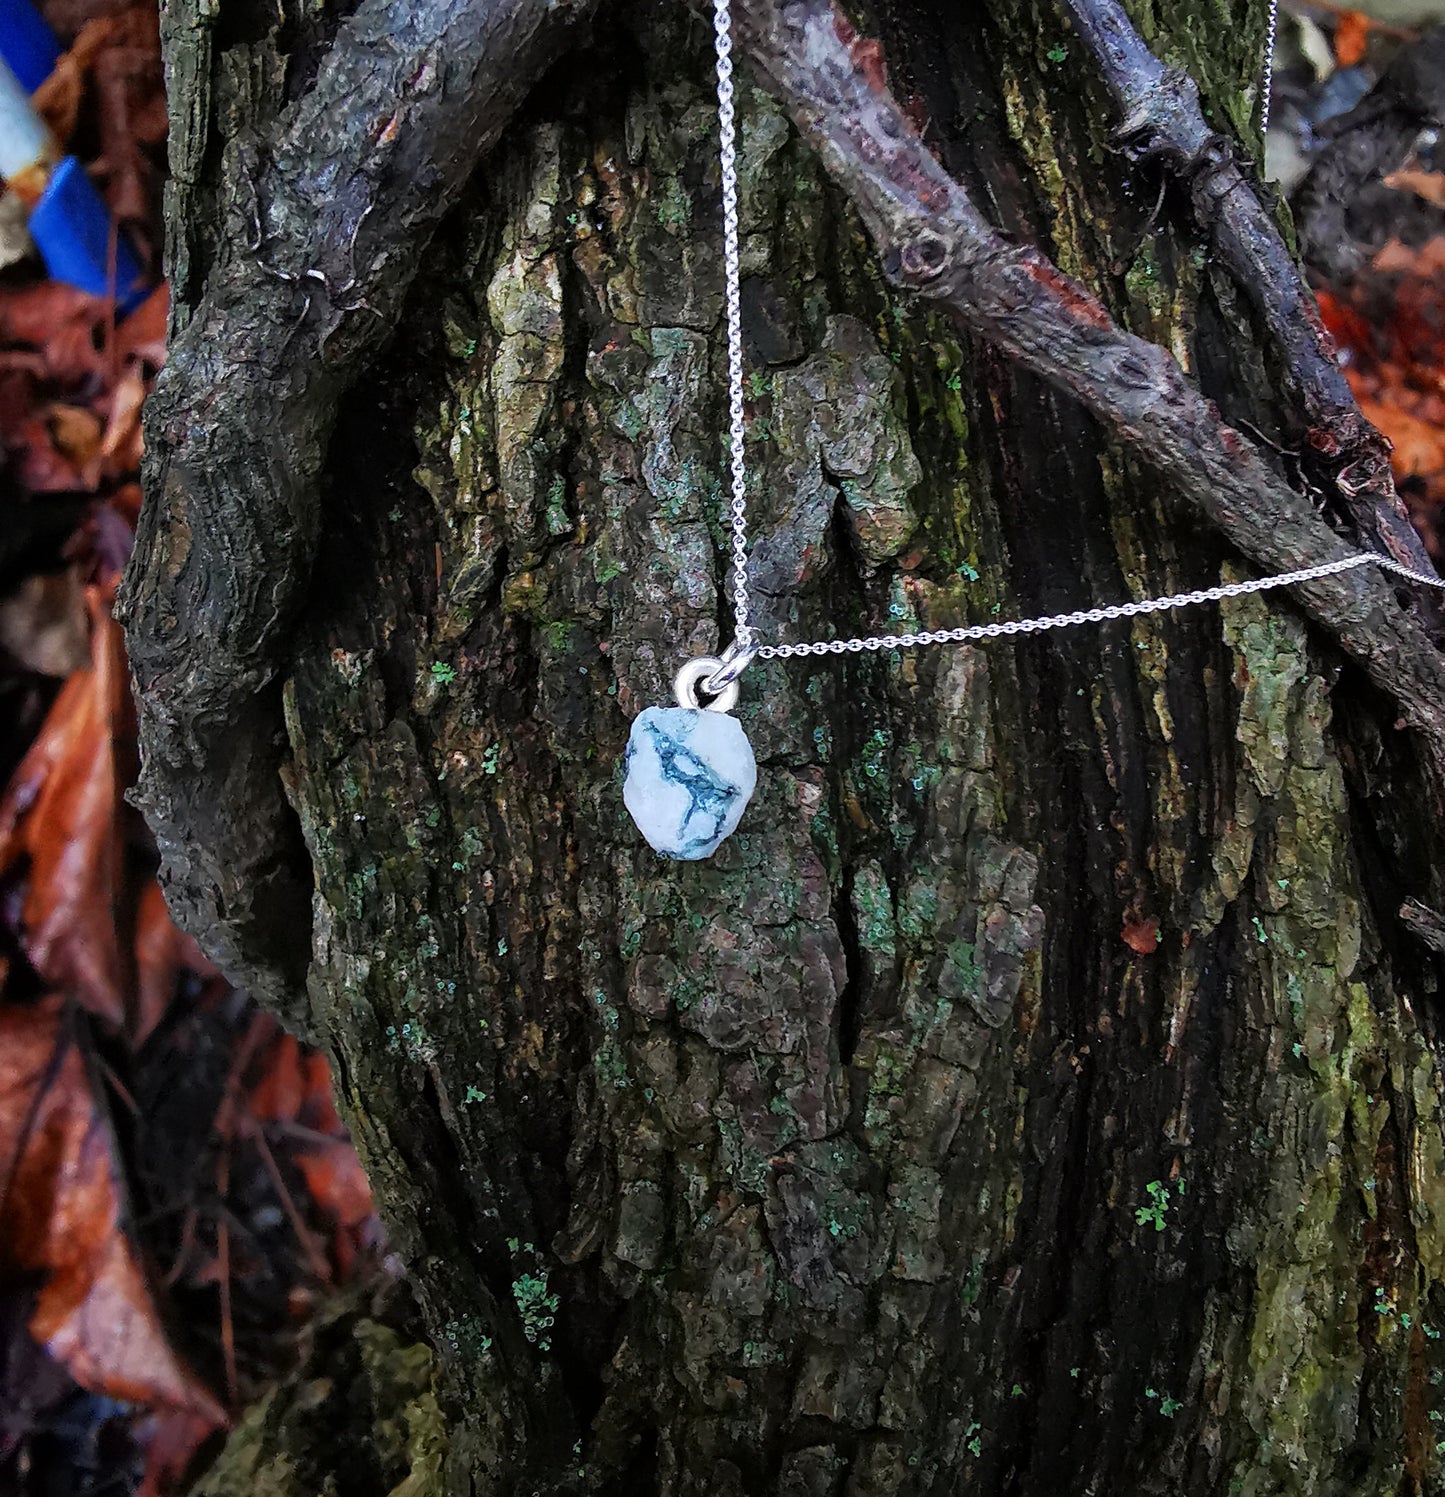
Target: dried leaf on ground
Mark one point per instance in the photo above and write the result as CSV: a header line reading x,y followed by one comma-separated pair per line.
x,y
44,626
1352,38
1427,185
62,1219
58,830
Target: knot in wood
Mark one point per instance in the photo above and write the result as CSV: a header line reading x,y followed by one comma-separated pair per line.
x,y
923,258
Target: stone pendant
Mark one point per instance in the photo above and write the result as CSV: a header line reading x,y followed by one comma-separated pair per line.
x,y
690,773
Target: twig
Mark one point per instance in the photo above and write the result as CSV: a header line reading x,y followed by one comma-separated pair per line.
x,y
365,165
1162,121
932,239
306,1239
223,1276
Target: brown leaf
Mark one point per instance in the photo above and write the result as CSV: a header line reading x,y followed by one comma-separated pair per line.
x,y
163,952
77,434
65,324
44,625
58,99
1426,260
143,334
172,1440
1419,445
1427,185
61,1217
120,449
60,815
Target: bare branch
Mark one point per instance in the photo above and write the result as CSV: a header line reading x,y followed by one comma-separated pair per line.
x,y
310,281
1162,121
933,239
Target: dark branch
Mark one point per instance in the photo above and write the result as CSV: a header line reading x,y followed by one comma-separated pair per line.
x,y
934,240
326,236
1161,121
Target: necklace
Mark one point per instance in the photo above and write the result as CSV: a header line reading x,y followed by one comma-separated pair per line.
x,y
690,770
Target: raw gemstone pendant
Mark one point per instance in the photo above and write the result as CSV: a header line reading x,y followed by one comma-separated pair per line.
x,y
690,770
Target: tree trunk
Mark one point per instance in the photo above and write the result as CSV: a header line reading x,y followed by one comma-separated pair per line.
x,y
1038,1094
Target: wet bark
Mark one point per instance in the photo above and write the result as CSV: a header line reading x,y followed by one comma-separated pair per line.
x,y
1039,1094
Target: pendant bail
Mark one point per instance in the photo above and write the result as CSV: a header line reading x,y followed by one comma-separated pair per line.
x,y
689,687
735,660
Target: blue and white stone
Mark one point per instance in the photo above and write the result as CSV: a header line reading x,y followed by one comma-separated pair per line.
x,y
689,776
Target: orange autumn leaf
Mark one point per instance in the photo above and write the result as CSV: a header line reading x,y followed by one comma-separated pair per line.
x,y
1352,38
62,1220
58,98
1419,445
120,448
295,1088
77,434
1425,260
163,952
63,323
143,334
1427,185
59,819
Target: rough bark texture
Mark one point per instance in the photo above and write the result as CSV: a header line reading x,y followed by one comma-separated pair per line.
x,y
323,222
887,1152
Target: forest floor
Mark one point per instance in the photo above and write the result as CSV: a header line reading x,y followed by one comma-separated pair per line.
x,y
177,1195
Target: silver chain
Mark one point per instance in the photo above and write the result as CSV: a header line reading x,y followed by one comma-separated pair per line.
x,y
1093,615
1266,86
732,263
743,650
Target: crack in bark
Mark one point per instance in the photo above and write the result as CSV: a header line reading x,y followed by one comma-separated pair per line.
x,y
310,281
933,239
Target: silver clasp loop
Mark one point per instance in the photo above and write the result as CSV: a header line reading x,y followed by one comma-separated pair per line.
x,y
735,660
687,686
714,677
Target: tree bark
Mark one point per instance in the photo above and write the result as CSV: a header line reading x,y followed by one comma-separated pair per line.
x,y
1039,1093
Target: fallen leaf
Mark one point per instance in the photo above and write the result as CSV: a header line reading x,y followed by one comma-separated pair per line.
x,y
163,955
1427,185
1419,445
58,818
44,625
1352,38
66,325
57,101
62,1218
1426,260
120,448
77,434
143,334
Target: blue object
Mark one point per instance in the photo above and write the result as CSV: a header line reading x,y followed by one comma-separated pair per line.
x,y
27,44
71,227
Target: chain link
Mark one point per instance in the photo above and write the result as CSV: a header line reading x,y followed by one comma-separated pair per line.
x,y
1266,86
973,632
743,649
732,266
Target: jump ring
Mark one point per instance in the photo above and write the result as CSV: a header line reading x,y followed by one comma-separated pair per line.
x,y
686,684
